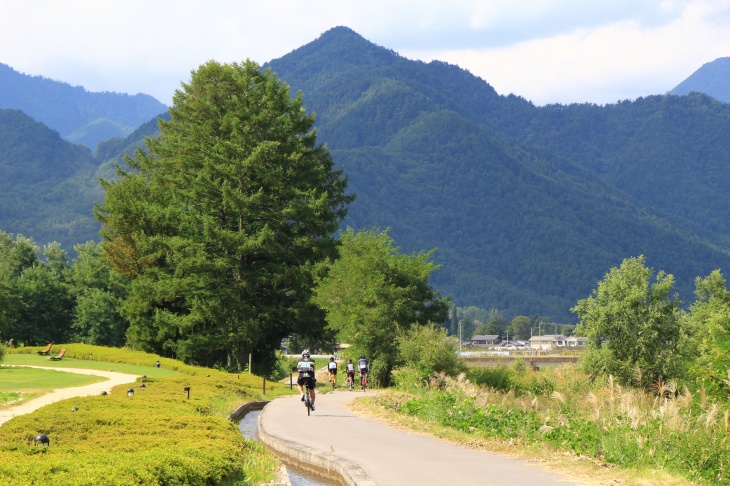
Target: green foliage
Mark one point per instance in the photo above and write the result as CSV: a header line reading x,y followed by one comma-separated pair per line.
x,y
371,293
596,419
37,301
99,294
219,224
520,328
515,378
634,327
426,350
709,319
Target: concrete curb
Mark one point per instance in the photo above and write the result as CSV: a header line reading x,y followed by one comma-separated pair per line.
x,y
241,412
325,465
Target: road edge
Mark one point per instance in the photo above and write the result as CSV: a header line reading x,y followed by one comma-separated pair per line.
x,y
325,465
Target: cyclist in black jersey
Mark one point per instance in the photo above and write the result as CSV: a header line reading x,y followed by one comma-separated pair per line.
x,y
305,366
332,369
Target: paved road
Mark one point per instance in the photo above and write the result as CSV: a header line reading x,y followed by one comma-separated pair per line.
x,y
112,379
383,455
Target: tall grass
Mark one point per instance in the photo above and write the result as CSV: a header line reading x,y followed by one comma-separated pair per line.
x,y
668,428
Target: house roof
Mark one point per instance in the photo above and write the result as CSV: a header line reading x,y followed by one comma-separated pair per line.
x,y
549,337
488,337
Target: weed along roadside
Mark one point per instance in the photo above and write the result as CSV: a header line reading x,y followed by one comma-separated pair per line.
x,y
156,435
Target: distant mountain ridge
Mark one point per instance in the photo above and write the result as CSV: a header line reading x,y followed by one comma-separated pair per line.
x,y
527,206
47,185
712,79
78,115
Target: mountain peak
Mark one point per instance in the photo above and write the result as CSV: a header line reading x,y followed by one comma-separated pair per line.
x,y
711,79
339,46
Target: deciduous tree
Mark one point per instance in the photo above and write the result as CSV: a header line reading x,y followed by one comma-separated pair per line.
x,y
710,322
634,326
372,293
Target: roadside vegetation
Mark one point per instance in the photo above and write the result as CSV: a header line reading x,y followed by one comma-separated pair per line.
x,y
649,395
520,410
156,436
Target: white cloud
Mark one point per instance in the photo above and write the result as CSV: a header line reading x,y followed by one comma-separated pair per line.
x,y
545,50
623,60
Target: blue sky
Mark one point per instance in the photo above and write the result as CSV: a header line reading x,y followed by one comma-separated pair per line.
x,y
548,51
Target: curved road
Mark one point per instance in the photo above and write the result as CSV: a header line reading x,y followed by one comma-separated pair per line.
x,y
112,379
381,455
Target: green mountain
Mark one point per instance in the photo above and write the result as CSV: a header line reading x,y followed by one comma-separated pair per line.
x,y
712,79
78,115
47,185
528,207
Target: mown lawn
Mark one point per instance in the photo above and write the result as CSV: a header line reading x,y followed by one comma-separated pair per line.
x,y
157,436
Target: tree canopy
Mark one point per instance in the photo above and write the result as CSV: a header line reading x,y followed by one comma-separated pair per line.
x,y
372,293
220,223
634,326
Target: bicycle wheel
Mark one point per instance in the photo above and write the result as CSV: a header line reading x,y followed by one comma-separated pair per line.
x,y
307,401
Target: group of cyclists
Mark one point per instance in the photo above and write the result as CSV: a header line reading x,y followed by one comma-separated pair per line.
x,y
307,380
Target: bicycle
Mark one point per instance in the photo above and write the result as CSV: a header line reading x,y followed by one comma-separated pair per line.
x,y
363,381
350,382
307,400
333,379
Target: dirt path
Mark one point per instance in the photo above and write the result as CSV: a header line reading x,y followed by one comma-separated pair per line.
x,y
112,379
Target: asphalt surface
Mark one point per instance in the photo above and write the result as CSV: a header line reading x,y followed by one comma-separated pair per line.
x,y
378,454
112,379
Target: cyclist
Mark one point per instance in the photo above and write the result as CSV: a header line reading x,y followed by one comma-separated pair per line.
x,y
362,365
332,368
305,366
350,371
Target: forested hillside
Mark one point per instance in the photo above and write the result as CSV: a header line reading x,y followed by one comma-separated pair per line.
x,y
47,185
528,207
78,115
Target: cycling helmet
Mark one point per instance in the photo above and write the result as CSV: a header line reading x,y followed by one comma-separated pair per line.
x,y
332,358
305,354
362,357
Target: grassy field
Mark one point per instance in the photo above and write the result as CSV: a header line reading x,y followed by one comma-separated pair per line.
x,y
21,384
157,436
89,364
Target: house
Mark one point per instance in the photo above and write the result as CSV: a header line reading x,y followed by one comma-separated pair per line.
x,y
488,340
576,342
512,344
548,341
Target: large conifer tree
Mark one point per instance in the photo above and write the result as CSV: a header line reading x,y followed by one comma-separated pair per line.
x,y
220,223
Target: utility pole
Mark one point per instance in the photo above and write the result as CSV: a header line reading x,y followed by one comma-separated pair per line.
x,y
459,321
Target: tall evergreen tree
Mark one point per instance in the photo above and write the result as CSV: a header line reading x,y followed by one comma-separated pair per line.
x,y
221,222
